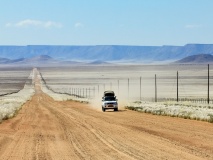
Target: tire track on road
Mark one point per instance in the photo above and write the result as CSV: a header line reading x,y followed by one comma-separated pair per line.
x,y
48,129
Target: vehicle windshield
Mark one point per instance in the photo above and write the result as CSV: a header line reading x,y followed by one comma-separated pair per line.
x,y
109,98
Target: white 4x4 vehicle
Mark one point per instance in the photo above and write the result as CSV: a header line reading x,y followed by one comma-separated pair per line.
x,y
109,101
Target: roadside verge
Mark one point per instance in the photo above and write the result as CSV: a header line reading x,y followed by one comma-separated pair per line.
x,y
10,104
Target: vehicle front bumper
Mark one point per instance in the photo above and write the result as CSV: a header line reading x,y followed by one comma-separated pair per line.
x,y
110,106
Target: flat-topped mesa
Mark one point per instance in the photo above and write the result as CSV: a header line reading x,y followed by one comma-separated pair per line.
x,y
102,52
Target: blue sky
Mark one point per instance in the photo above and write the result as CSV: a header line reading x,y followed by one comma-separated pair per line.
x,y
106,22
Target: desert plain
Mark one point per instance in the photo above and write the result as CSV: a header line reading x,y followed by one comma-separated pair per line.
x,y
48,128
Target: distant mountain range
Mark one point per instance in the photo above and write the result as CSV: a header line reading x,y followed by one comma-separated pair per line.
x,y
37,59
45,60
101,53
200,58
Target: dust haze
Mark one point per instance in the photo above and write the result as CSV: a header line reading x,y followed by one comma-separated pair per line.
x,y
129,82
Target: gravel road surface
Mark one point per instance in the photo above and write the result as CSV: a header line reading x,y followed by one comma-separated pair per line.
x,y
48,129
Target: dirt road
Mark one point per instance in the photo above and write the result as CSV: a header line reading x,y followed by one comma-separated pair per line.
x,y
47,129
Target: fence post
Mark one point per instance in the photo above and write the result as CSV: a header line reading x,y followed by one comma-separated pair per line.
x,y
76,92
140,88
89,92
155,88
177,87
118,87
86,92
128,89
208,84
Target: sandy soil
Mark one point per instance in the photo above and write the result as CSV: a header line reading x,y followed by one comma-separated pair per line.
x,y
47,129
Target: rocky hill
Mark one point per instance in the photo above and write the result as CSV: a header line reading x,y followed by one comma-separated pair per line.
x,y
200,58
41,60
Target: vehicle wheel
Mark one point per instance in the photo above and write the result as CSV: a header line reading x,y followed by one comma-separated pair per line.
x,y
103,109
116,109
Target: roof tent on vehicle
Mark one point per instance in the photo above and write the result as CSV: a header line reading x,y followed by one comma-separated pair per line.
x,y
109,93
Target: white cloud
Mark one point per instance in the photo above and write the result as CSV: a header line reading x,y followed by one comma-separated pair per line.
x,y
34,23
79,25
28,22
9,25
191,26
49,24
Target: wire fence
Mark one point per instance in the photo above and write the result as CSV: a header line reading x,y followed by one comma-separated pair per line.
x,y
157,88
